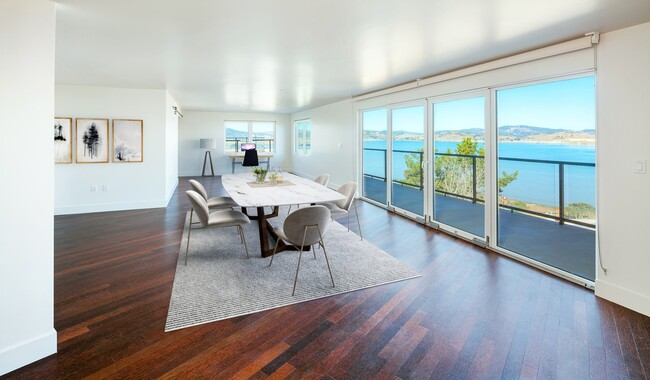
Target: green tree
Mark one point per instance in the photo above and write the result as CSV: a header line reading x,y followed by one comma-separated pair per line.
x,y
454,174
413,166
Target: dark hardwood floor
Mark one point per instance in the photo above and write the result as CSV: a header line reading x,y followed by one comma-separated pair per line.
x,y
473,314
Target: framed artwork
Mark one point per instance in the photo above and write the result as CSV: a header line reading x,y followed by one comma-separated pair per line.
x,y
62,140
127,140
92,141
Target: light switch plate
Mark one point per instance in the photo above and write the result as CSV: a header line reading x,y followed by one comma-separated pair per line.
x,y
640,167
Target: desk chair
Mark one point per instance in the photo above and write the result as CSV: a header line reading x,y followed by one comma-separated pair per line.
x,y
250,158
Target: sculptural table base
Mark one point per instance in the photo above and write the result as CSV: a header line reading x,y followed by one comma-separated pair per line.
x,y
265,229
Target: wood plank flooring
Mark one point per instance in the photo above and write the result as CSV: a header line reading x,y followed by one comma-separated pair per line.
x,y
473,314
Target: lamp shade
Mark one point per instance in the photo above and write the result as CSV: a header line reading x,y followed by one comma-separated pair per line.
x,y
208,143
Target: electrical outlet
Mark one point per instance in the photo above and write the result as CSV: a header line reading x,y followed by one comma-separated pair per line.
x,y
104,187
93,188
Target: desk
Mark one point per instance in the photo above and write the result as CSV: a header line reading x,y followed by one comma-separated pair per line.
x,y
302,191
260,156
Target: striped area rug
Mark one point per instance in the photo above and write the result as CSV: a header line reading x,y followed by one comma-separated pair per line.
x,y
219,282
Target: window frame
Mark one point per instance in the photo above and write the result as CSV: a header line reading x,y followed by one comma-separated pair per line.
x,y
249,137
306,125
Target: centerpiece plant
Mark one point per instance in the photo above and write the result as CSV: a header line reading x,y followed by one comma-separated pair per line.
x,y
260,175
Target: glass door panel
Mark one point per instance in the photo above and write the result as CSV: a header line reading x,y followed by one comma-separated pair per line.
x,y
407,154
375,167
459,164
546,167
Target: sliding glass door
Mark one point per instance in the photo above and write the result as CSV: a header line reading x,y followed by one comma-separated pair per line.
x,y
393,157
459,164
407,159
511,168
375,157
546,160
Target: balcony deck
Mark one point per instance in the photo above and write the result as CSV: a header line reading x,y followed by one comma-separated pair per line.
x,y
567,247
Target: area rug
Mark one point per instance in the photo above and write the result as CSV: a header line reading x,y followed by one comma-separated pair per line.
x,y
219,282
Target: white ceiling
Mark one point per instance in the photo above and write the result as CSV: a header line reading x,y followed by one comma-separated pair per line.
x,y
288,55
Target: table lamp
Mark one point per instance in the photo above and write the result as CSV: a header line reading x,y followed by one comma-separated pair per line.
x,y
208,144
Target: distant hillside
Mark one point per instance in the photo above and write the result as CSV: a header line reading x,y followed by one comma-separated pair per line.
x,y
514,133
522,131
233,133
525,133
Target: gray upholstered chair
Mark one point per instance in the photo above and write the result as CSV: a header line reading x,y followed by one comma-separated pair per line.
x,y
322,179
214,202
342,207
304,228
222,218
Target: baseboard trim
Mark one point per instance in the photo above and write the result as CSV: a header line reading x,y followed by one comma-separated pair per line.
x,y
28,352
170,192
624,297
103,207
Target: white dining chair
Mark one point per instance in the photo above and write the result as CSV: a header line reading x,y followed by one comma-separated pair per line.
x,y
222,218
322,179
214,202
304,228
342,207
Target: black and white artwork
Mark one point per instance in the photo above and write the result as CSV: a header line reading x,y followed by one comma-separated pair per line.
x,y
92,140
62,140
127,140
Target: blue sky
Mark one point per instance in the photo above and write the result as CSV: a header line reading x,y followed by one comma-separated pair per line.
x,y
566,104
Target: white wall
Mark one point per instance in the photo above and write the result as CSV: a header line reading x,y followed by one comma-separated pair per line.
x,y
196,125
130,185
26,238
334,143
171,148
623,138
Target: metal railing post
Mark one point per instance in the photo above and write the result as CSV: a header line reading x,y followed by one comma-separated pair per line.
x,y
473,179
561,174
421,171
385,165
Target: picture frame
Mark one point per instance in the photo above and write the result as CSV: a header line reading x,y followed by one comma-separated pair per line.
x,y
127,140
92,140
62,140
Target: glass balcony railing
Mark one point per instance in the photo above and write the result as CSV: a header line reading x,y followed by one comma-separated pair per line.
x,y
561,180
263,145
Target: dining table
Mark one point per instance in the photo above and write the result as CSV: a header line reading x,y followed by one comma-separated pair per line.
x,y
289,190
